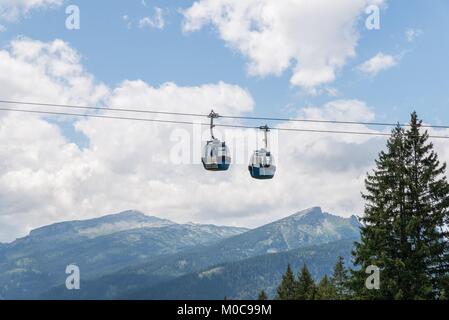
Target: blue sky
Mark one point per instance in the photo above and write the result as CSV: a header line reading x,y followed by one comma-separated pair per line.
x,y
112,52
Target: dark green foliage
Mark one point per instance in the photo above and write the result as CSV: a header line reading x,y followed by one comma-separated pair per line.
x,y
305,287
444,288
340,279
237,280
262,296
406,209
325,290
286,290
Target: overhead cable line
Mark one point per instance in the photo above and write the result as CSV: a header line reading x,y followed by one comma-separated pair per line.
x,y
145,111
103,108
101,116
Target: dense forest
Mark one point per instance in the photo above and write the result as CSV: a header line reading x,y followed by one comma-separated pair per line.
x,y
404,231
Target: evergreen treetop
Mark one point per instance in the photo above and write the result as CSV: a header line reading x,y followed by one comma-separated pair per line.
x,y
286,290
305,286
406,213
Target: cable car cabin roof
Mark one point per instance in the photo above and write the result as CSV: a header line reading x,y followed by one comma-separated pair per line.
x,y
217,146
262,152
215,143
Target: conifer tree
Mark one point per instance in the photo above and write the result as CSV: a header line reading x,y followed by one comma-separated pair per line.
x,y
429,205
444,293
286,290
340,279
262,296
404,229
305,286
325,290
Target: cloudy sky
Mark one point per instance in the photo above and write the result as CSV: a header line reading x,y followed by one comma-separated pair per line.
x,y
293,58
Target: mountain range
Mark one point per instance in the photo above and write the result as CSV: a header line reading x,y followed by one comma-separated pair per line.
x,y
133,256
98,246
244,279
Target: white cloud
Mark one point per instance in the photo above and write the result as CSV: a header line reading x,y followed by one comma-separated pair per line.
x,y
128,21
156,21
52,71
2,28
11,10
312,38
45,178
411,34
37,160
380,62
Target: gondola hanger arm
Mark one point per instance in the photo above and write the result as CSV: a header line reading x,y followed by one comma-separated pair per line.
x,y
213,115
